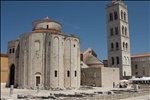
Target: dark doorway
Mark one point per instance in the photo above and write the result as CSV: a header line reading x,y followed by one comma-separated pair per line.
x,y
12,75
37,80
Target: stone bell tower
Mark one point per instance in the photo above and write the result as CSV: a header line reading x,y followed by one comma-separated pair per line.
x,y
118,37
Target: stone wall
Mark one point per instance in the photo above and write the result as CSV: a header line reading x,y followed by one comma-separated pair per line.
x,y
109,76
100,77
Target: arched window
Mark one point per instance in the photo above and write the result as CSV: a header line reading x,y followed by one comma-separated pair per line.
x,y
47,27
126,46
13,50
115,15
68,73
116,30
37,45
112,60
125,16
10,51
75,73
117,46
110,16
117,58
123,30
55,73
121,14
111,31
123,45
124,73
112,46
38,78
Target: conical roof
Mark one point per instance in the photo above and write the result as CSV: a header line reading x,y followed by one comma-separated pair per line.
x,y
92,60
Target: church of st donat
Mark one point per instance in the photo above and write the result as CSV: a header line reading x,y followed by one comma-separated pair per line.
x,y
44,56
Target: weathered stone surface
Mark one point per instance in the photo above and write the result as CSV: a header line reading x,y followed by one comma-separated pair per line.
x,y
49,58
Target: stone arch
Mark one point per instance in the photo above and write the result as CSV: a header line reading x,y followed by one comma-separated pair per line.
x,y
12,74
56,57
75,42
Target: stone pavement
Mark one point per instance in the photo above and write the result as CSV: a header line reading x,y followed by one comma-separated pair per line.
x,y
145,97
5,93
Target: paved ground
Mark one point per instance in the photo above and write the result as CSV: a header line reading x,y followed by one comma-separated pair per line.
x,y
5,92
145,97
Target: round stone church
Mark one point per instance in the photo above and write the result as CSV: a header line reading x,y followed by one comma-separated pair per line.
x,y
44,56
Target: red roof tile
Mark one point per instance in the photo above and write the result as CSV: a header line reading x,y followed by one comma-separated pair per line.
x,y
140,55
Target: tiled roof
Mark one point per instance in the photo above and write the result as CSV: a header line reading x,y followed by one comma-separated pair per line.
x,y
92,60
140,55
44,20
46,30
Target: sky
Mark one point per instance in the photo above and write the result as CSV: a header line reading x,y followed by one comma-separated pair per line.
x,y
85,19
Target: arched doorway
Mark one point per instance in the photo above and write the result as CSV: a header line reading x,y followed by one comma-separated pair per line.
x,y
37,78
12,75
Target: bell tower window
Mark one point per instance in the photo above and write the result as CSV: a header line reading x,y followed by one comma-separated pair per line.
x,y
112,59
110,16
115,15
124,16
111,31
112,46
121,14
116,30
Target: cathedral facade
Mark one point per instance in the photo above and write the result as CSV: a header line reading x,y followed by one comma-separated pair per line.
x,y
45,56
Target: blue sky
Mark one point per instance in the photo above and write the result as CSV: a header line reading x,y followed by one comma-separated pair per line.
x,y
85,19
